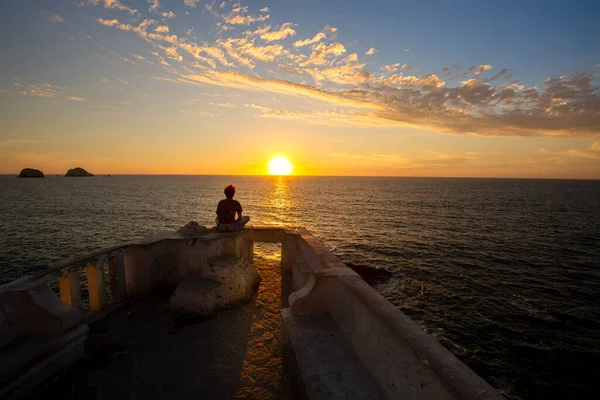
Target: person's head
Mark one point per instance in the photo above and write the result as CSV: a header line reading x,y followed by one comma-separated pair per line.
x,y
229,191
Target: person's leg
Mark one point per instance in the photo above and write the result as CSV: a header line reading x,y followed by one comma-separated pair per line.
x,y
242,221
220,227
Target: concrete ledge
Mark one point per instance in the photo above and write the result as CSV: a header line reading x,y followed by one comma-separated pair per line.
x,y
404,360
463,382
327,364
27,364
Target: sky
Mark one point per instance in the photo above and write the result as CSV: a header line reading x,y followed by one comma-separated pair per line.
x,y
384,88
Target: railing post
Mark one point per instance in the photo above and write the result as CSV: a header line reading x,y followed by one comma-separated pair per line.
x,y
96,287
117,277
290,250
245,247
70,288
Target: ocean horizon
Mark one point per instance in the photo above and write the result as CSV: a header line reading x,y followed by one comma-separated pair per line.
x,y
504,272
266,175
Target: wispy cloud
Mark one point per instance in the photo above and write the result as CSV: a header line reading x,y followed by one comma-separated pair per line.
x,y
593,152
284,31
371,51
452,101
191,3
111,4
237,19
154,5
55,19
38,89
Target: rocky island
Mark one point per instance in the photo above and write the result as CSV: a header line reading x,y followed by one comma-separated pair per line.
x,y
31,173
78,172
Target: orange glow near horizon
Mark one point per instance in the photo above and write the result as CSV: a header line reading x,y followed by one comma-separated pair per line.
x,y
280,166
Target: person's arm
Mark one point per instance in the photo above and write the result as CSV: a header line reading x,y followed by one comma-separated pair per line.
x,y
239,212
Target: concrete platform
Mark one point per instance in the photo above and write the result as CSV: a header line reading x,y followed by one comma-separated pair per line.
x,y
144,350
330,369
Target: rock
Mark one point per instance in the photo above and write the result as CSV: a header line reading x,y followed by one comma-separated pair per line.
x,y
192,228
78,172
370,273
31,173
228,281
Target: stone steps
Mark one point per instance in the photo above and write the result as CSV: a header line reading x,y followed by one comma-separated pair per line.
x,y
327,364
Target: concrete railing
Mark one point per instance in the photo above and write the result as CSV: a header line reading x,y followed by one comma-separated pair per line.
x,y
403,359
395,350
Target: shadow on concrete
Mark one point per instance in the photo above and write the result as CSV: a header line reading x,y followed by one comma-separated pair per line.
x,y
144,350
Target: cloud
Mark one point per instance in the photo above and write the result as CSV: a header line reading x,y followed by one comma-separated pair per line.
x,y
172,53
322,52
153,5
162,29
55,19
425,82
448,102
449,71
42,89
399,161
593,152
112,4
284,31
479,69
317,38
391,68
264,9
113,23
246,82
168,14
161,59
191,3
371,51
236,19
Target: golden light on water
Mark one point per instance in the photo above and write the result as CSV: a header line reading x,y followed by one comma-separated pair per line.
x,y
280,166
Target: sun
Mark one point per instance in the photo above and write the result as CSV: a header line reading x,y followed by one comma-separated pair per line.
x,y
280,166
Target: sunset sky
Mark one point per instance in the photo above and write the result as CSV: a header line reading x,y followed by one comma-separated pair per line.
x,y
406,88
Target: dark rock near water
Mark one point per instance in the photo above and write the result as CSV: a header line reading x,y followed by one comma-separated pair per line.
x,y
78,172
370,273
31,173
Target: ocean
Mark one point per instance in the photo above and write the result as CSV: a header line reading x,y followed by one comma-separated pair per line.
x,y
503,272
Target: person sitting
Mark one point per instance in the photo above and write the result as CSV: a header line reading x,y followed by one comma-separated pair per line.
x,y
229,213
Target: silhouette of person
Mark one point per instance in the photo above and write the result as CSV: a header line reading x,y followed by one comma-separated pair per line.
x,y
229,213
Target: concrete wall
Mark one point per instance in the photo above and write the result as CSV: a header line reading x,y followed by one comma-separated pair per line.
x,y
171,258
400,356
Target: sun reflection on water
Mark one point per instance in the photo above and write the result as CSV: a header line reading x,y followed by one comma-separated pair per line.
x,y
277,210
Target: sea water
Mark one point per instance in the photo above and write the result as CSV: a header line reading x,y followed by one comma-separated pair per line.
x,y
505,273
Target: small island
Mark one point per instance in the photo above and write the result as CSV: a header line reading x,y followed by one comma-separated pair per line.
x,y
31,173
78,172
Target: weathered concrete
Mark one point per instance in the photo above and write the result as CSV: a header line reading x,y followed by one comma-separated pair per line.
x,y
146,351
403,359
328,366
38,334
227,280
